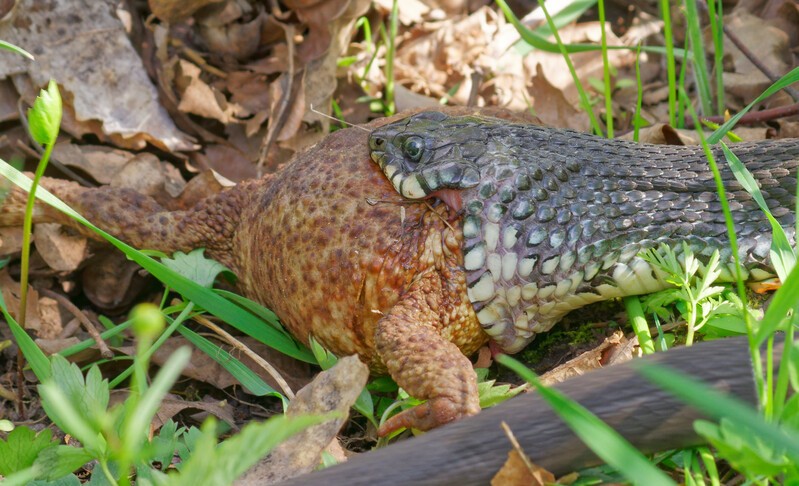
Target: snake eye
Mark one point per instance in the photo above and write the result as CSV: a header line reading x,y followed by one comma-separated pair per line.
x,y
413,148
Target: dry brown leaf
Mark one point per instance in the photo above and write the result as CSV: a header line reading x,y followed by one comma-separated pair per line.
x,y
226,160
664,134
783,14
10,290
85,47
8,101
405,99
275,62
516,473
11,141
334,390
10,240
410,11
98,161
248,90
176,10
286,119
62,252
519,470
587,361
53,346
319,82
446,54
746,81
198,98
50,315
239,38
203,368
147,175
318,15
111,281
552,107
172,406
789,129
205,184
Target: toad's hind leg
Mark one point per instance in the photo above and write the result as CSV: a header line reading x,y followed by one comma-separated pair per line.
x,y
423,363
137,219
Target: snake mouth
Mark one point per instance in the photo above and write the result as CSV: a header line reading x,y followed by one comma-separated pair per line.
x,y
451,197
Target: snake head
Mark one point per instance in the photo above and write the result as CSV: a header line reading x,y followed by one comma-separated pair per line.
x,y
428,153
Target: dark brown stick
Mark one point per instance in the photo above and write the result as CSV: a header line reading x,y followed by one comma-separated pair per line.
x,y
753,116
105,352
472,450
772,76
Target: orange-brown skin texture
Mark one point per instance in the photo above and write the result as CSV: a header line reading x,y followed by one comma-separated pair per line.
x,y
337,254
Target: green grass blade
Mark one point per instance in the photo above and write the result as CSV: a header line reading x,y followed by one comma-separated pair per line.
x,y
700,64
717,34
253,307
606,70
601,438
88,343
540,42
635,312
585,103
671,70
783,302
718,405
638,120
782,255
562,18
138,423
11,47
247,377
35,357
213,303
391,50
787,80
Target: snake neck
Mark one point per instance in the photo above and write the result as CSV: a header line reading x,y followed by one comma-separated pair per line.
x,y
557,220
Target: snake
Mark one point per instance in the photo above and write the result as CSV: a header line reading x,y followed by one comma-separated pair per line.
x,y
555,219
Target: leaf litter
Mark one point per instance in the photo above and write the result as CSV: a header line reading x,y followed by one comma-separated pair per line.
x,y
220,91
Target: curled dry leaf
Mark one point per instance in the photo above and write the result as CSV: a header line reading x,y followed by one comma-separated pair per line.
x,y
334,390
198,98
60,251
111,281
410,11
173,405
519,469
515,472
239,38
203,368
86,48
587,361
176,10
444,54
317,15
